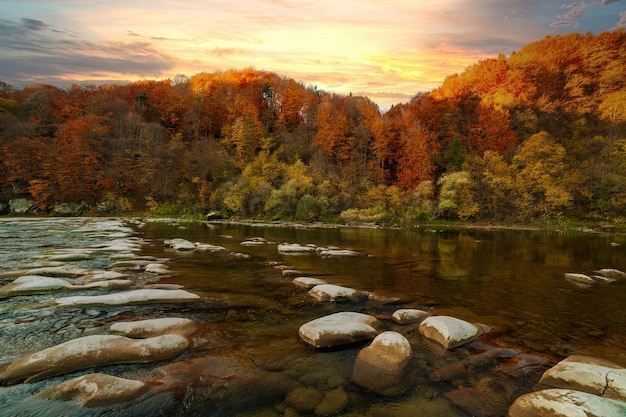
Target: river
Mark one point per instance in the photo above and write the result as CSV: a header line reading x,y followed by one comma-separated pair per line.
x,y
509,280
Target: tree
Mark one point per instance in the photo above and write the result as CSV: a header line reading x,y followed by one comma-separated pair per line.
x,y
419,145
456,198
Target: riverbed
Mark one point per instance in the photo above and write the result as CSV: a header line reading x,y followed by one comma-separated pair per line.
x,y
510,281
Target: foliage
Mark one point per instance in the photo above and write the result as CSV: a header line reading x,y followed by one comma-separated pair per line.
x,y
535,136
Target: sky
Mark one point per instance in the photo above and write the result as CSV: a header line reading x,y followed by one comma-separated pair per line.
x,y
388,50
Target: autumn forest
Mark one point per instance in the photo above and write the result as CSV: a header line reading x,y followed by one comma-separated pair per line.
x,y
536,136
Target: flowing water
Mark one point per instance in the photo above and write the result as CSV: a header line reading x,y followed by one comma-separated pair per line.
x,y
511,281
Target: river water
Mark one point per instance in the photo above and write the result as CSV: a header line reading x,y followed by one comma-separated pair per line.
x,y
511,281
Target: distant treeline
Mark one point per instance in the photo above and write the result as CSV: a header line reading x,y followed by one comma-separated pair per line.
x,y
530,137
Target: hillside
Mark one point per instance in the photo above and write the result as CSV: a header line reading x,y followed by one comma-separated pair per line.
x,y
534,136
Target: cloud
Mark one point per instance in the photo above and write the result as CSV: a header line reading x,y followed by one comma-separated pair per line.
x,y
605,2
622,20
34,24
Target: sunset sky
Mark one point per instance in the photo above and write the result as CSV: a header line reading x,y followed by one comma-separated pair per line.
x,y
388,50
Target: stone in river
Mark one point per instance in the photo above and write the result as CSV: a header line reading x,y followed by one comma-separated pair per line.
x,y
579,278
156,327
612,273
94,390
331,292
179,244
155,268
339,329
36,284
338,253
91,351
409,315
587,374
129,297
295,248
565,403
449,332
308,282
381,367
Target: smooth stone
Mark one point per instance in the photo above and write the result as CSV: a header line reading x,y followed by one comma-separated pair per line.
x,y
94,390
179,244
612,273
303,399
308,282
579,278
32,284
587,374
155,327
158,269
91,351
128,297
472,365
338,253
334,402
55,271
290,248
381,367
449,332
409,315
102,276
565,403
205,247
331,292
339,329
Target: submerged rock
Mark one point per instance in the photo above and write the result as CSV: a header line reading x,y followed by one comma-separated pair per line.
x,y
565,403
94,390
91,351
449,332
381,367
179,244
129,297
295,248
339,329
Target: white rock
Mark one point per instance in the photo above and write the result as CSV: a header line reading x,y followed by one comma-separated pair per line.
x,y
331,292
179,244
449,332
308,282
295,248
90,351
409,315
339,329
588,374
128,297
612,273
34,283
205,247
158,269
565,403
93,390
102,276
579,278
338,253
381,366
155,327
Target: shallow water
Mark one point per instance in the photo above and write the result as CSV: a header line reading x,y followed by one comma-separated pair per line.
x,y
512,281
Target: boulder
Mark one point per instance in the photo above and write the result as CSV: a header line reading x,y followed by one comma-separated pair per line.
x,y
22,206
295,248
37,284
449,332
91,351
308,282
55,271
612,273
333,403
579,278
156,327
587,374
93,390
140,296
381,367
331,292
69,209
158,269
565,403
338,253
339,329
409,315
472,365
206,247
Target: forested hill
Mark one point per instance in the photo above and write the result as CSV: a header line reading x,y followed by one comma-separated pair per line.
x,y
532,136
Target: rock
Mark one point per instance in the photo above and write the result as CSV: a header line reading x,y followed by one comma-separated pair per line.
x,y
91,351
213,215
579,278
308,282
409,315
128,297
331,292
156,327
69,209
471,365
22,206
36,284
334,402
381,367
295,248
102,276
4,207
291,272
94,390
303,399
338,253
587,374
158,269
205,247
54,271
339,329
179,244
449,332
611,273
565,403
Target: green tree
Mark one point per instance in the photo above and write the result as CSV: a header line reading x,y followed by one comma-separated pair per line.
x,y
456,199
